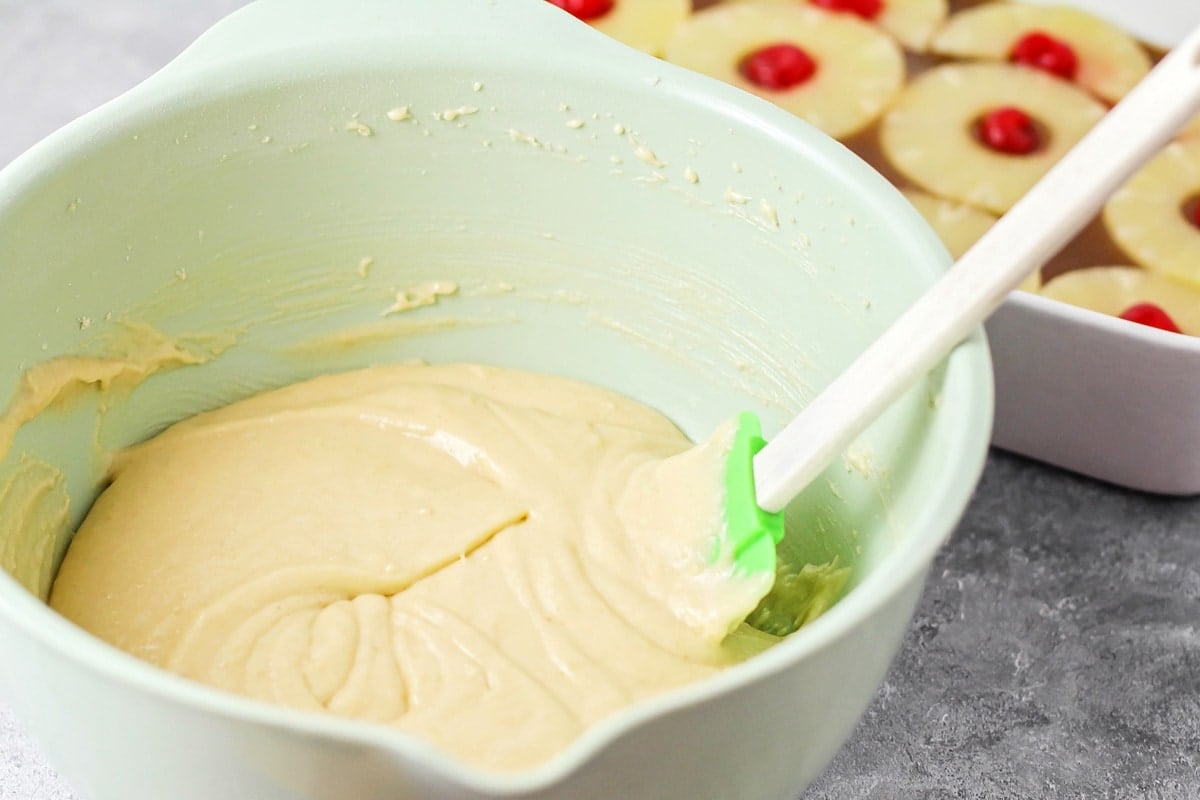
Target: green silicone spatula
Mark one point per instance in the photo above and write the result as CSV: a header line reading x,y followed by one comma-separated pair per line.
x,y
761,478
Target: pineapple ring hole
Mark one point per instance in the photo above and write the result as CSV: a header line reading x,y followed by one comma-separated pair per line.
x,y
866,9
778,67
1150,315
1039,50
1190,208
586,10
1041,132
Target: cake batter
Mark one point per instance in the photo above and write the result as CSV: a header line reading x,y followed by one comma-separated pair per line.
x,y
490,559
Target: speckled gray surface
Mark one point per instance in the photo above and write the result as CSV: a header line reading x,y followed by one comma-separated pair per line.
x,y
1056,652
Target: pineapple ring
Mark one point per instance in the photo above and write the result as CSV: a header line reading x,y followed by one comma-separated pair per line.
x,y
928,135
643,24
859,68
1144,216
959,226
911,22
1110,61
1112,290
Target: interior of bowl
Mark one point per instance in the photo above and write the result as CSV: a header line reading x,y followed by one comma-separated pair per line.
x,y
651,233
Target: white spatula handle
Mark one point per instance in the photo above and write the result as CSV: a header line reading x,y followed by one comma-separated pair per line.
x,y
1022,240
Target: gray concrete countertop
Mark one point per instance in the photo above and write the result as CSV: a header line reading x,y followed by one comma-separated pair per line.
x,y
1056,652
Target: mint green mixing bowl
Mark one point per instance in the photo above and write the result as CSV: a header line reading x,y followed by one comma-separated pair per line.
x,y
605,216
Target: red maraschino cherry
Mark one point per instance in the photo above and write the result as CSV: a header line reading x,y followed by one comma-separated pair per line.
x,y
1045,52
777,66
1152,315
1008,130
867,9
586,10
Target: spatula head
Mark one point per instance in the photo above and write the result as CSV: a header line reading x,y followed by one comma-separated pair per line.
x,y
750,532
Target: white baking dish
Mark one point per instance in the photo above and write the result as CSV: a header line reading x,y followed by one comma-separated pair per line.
x,y
1092,393
1081,390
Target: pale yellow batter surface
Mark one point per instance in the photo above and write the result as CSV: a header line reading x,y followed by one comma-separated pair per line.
x,y
490,559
